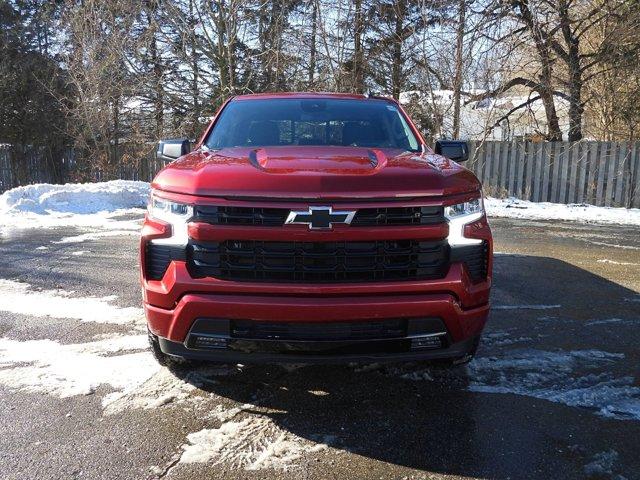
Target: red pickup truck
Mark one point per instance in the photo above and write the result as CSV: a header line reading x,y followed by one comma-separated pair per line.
x,y
308,227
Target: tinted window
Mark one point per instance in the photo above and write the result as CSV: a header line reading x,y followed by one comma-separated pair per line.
x,y
261,123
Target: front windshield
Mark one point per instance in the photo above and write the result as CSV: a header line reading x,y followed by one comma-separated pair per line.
x,y
287,121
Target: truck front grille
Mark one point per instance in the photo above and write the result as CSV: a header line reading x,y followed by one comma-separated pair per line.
x,y
275,217
268,217
319,262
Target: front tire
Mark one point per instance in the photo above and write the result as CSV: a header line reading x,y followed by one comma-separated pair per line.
x,y
171,361
162,358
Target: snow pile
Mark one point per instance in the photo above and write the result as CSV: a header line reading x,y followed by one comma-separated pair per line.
x,y
21,298
515,208
73,204
252,443
75,198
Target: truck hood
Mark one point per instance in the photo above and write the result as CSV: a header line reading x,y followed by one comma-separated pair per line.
x,y
315,173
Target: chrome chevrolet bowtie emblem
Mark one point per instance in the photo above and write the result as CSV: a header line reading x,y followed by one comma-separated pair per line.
x,y
319,217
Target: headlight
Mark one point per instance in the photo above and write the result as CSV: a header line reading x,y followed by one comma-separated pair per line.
x,y
169,211
174,213
460,215
466,208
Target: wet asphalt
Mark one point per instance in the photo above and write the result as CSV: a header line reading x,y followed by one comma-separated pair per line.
x,y
561,342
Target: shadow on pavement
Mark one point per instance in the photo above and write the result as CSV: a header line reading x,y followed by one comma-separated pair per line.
x,y
397,415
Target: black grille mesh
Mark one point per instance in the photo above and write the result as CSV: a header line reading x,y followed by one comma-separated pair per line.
x,y
398,216
475,258
319,261
158,257
324,331
272,217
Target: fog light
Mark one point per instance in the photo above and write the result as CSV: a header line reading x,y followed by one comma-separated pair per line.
x,y
208,342
429,342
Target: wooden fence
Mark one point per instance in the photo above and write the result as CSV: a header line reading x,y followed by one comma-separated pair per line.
x,y
598,173
36,166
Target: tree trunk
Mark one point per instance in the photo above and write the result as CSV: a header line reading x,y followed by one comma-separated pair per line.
x,y
457,80
231,23
195,89
358,54
575,73
396,68
158,101
221,54
545,78
116,130
313,51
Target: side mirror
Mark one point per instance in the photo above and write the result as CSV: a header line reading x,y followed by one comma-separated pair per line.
x,y
169,150
455,150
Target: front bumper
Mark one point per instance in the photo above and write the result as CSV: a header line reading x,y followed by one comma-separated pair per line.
x,y
174,326
174,302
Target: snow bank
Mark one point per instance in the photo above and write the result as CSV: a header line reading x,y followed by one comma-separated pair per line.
x,y
93,205
75,198
515,208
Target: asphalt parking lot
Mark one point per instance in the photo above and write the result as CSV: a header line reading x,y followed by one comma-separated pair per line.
x,y
553,393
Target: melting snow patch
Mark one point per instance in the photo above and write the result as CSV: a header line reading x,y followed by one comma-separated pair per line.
x,y
602,464
76,369
21,298
117,361
608,321
613,262
252,443
500,339
163,388
160,389
84,237
579,378
575,378
524,307
612,245
514,208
